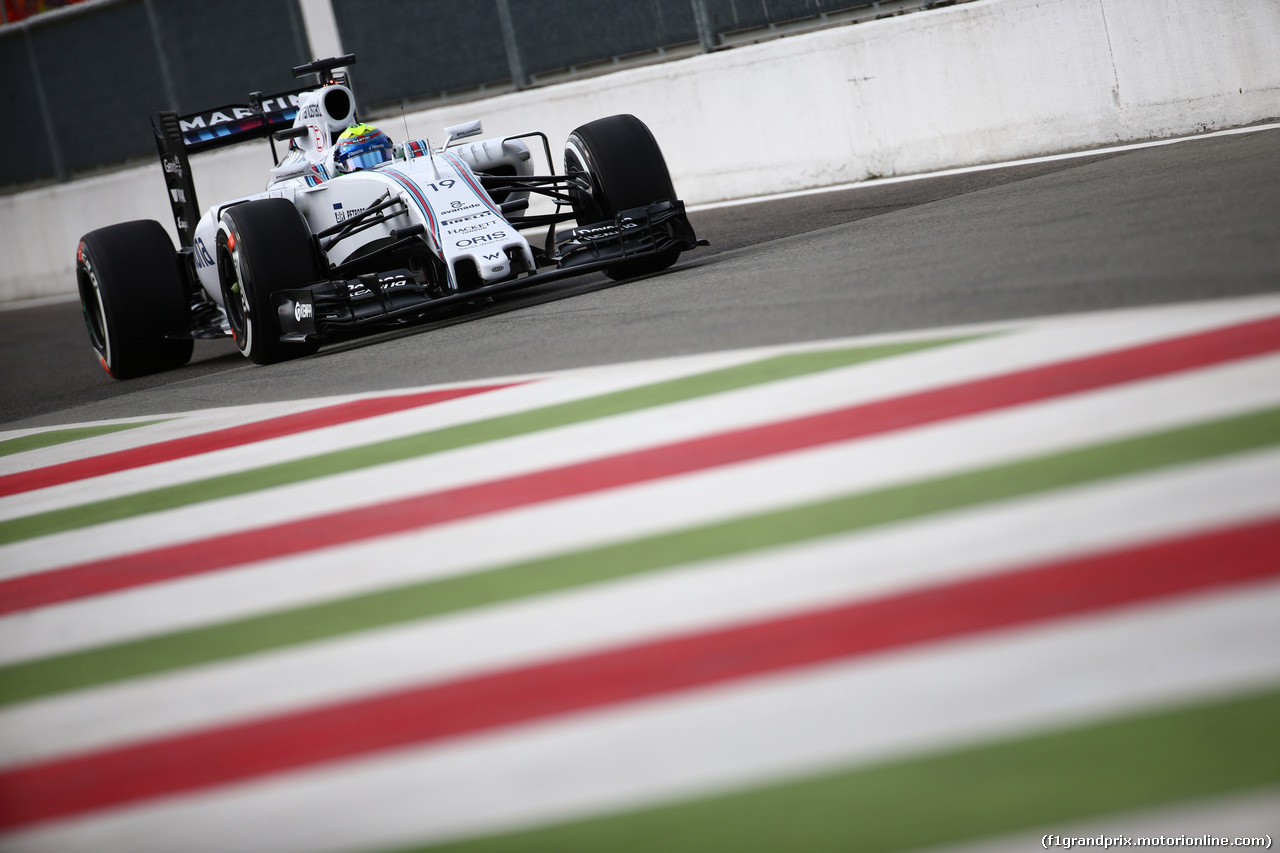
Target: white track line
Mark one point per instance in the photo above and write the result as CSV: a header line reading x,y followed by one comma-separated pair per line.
x,y
621,514
755,731
735,590
612,377
589,440
535,394
1060,338
983,167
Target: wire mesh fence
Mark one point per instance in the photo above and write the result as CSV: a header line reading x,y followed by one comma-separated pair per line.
x,y
84,80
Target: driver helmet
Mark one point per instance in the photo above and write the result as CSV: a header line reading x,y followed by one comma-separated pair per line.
x,y
360,147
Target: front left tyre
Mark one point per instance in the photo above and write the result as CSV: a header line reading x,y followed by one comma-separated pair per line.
x,y
135,304
264,246
623,168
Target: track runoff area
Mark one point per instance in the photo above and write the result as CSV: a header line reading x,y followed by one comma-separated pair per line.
x,y
869,594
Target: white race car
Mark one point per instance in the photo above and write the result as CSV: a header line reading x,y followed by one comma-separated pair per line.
x,y
355,231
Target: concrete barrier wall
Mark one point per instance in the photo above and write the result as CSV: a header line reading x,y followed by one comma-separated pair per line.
x,y
978,82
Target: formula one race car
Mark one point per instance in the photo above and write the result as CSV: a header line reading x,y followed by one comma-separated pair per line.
x,y
354,231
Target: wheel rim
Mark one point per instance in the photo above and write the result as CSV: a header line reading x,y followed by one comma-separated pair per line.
x,y
95,315
586,207
234,297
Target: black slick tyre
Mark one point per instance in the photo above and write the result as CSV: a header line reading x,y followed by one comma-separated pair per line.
x,y
264,246
625,167
134,299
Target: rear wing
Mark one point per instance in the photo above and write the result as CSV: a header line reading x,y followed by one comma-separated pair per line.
x,y
234,123
178,136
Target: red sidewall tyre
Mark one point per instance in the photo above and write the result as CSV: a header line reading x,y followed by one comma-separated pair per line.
x,y
134,299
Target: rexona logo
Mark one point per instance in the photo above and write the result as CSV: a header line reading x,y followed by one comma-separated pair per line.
x,y
481,239
604,230
302,310
311,111
388,283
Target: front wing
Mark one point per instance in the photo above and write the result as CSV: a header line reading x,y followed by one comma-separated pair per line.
x,y
326,307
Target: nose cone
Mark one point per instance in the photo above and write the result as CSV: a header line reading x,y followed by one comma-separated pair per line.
x,y
494,268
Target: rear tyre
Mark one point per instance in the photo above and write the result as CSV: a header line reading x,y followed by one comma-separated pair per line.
x,y
133,296
264,246
625,167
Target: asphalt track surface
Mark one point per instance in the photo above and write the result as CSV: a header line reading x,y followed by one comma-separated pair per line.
x,y
1195,220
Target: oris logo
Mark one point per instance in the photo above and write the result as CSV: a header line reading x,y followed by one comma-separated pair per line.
x,y
301,310
481,239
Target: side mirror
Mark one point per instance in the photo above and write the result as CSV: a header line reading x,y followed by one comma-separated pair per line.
x,y
462,131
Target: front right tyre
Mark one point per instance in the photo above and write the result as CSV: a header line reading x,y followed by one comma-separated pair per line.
x,y
264,246
135,304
